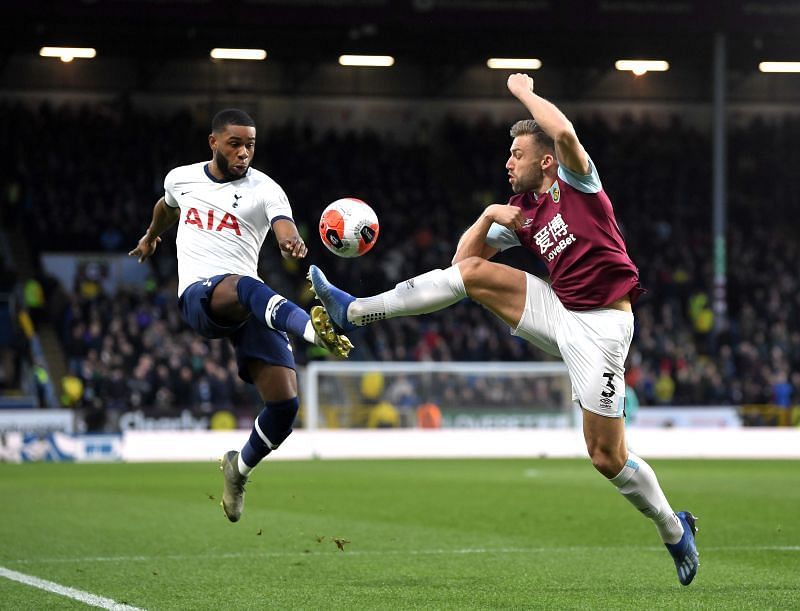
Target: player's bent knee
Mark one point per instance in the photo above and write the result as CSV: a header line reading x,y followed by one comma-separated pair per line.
x,y
479,274
607,458
482,278
228,285
224,301
607,461
473,270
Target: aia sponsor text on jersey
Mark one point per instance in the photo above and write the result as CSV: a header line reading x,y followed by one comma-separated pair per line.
x,y
228,221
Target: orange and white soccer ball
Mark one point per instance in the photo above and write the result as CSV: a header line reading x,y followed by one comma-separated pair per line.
x,y
349,227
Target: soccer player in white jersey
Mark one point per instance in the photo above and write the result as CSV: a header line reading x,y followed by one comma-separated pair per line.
x,y
225,209
561,213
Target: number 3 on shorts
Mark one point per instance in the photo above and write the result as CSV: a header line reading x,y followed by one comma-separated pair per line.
x,y
609,384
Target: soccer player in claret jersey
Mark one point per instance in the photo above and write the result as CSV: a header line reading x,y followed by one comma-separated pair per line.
x,y
561,213
226,208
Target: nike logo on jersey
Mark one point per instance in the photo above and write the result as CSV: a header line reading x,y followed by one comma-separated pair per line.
x,y
185,192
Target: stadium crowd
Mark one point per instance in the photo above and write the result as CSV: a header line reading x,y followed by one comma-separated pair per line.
x,y
105,165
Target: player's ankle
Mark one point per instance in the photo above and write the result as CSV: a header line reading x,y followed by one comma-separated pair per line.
x,y
365,310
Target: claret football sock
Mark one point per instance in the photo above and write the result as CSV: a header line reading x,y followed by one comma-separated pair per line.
x,y
272,426
275,310
637,482
432,291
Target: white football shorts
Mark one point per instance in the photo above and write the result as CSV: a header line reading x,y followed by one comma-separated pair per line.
x,y
593,344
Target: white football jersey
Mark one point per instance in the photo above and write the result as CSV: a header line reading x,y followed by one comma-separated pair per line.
x,y
222,224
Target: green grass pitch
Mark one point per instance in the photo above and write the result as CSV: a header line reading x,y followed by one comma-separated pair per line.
x,y
416,534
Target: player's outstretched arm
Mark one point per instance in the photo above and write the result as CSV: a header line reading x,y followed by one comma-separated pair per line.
x,y
289,240
164,217
554,123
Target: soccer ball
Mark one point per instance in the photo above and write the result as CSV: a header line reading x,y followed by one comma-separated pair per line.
x,y
348,227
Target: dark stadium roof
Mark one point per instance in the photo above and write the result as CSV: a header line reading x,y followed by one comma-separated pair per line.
x,y
163,46
431,31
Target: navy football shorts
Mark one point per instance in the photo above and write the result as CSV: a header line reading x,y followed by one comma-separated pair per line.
x,y
251,339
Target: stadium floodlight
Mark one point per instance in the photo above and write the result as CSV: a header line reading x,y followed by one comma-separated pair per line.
x,y
67,54
514,63
641,66
375,61
251,54
785,67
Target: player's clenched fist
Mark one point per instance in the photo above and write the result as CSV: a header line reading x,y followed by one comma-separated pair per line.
x,y
505,215
519,84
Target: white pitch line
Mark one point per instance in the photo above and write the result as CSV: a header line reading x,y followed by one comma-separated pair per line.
x,y
56,588
420,552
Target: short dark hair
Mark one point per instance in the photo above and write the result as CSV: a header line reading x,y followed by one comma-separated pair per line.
x,y
529,127
231,116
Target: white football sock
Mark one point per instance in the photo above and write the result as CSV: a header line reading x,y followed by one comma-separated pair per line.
x,y
638,483
429,292
309,334
244,468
